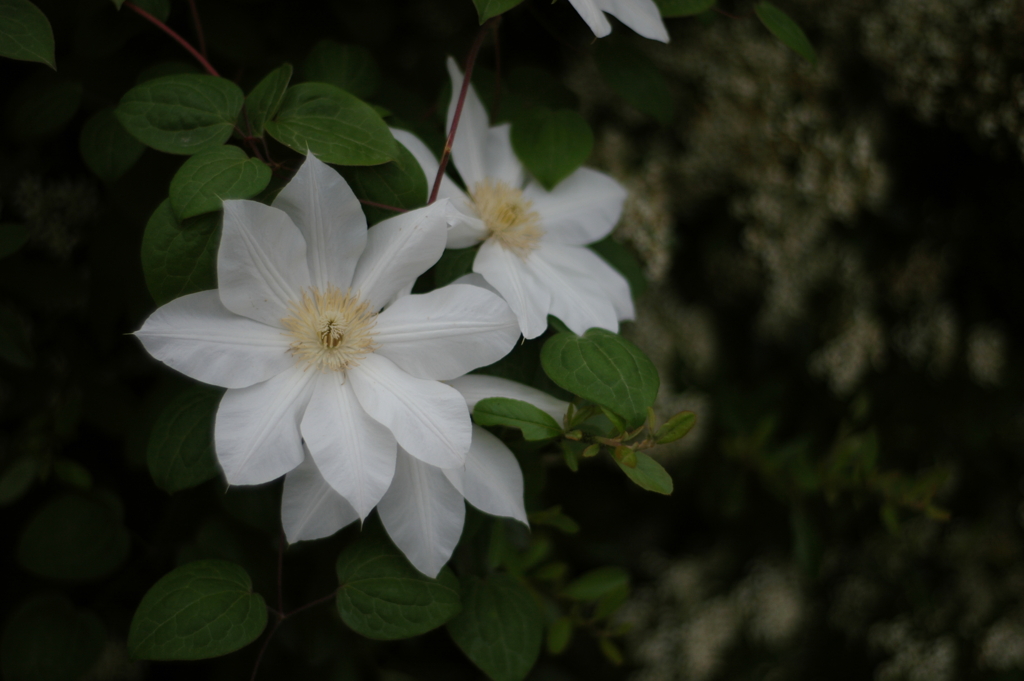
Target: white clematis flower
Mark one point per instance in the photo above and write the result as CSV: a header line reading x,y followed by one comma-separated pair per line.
x,y
640,15
534,241
423,510
296,334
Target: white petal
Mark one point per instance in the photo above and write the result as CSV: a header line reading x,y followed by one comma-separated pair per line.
x,y
423,513
195,335
577,298
310,508
594,17
256,432
261,264
511,277
355,454
491,480
429,419
465,231
469,148
581,209
640,15
500,162
447,332
476,387
398,250
584,265
474,279
330,218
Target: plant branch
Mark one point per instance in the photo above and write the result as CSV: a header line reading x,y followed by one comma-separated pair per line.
x,y
199,27
383,206
169,31
318,601
496,100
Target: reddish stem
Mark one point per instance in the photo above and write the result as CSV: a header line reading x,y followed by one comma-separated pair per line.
x,y
470,62
496,101
169,31
263,648
383,206
199,27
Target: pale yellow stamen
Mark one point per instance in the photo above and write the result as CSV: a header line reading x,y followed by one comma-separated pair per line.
x,y
330,330
509,216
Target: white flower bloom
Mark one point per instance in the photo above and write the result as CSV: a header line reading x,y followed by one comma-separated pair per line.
x,y
640,15
423,509
296,333
534,241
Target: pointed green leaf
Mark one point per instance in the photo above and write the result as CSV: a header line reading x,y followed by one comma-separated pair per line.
x,y
636,79
649,474
676,427
596,583
559,635
502,411
552,144
492,8
786,30
382,596
25,33
207,179
684,8
553,517
106,147
48,639
336,126
349,67
399,183
265,99
182,114
180,453
179,258
200,610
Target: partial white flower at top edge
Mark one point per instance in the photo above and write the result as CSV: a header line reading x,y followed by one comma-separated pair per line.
x,y
423,510
534,241
296,334
640,15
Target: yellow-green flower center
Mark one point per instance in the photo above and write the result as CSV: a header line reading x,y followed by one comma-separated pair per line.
x,y
330,330
509,216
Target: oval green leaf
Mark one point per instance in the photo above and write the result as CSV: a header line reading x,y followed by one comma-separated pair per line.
x,y
265,99
25,33
559,635
382,596
786,30
399,183
73,538
676,427
336,126
207,179
181,114
552,144
349,67
636,79
604,368
200,610
500,628
492,8
597,583
106,147
48,639
502,411
179,258
684,8
180,453
649,474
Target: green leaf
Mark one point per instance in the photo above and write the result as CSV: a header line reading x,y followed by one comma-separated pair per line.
x,y
349,67
552,144
336,126
25,33
179,258
559,635
649,474
161,9
622,259
382,596
15,338
610,651
200,610
676,427
492,8
73,538
454,263
503,411
12,238
180,453
17,478
604,368
106,147
684,8
399,183
636,79
553,517
48,639
500,627
42,105
208,178
596,583
72,473
786,30
182,114
265,99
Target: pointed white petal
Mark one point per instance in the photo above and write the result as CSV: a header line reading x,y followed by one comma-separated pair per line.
x,y
577,297
330,218
355,454
511,277
465,231
640,15
492,480
398,250
469,148
423,514
429,419
594,17
310,508
256,432
500,162
261,264
594,272
195,335
476,387
447,332
581,209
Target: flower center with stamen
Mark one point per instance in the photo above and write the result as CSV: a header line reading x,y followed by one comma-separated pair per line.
x,y
509,216
330,330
